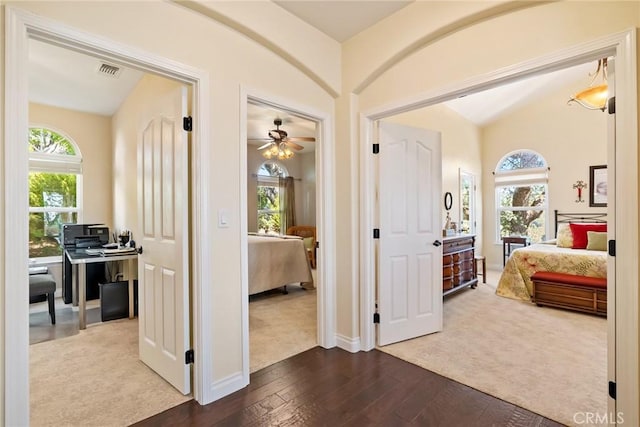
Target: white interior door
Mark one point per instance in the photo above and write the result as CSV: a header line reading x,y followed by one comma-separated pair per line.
x,y
163,274
410,257
611,235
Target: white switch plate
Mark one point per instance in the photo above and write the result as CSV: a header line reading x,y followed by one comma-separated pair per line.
x,y
223,218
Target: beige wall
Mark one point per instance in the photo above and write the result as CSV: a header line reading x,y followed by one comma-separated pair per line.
x,y
92,133
569,137
230,60
440,56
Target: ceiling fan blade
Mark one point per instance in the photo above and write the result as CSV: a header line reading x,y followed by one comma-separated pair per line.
x,y
302,138
293,145
264,146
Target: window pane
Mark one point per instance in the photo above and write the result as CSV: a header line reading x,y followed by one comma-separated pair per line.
x,y
529,223
52,190
531,195
271,169
268,198
465,202
522,160
44,231
269,221
49,142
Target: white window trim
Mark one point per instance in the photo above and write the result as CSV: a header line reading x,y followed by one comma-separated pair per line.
x,y
520,177
57,163
268,180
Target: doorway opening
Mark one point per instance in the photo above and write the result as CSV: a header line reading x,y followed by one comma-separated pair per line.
x,y
32,28
573,57
285,196
281,204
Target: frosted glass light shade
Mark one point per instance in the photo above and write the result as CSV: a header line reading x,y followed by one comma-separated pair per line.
x,y
593,98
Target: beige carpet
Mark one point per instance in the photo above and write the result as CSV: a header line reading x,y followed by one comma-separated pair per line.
x,y
552,362
95,379
281,326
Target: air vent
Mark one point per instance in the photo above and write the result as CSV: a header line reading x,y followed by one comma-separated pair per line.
x,y
109,70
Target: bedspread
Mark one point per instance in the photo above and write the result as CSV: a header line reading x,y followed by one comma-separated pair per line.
x,y
277,261
515,281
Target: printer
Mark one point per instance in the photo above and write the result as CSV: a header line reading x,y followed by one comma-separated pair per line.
x,y
82,236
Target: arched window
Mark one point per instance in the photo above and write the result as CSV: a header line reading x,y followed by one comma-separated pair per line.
x,y
269,214
55,175
521,195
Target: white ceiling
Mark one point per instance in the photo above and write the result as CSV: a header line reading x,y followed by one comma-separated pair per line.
x,y
342,19
68,79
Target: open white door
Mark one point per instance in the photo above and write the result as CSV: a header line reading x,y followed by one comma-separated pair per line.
x,y
163,200
410,257
611,235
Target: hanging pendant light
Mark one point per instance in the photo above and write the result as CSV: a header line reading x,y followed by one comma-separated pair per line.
x,y
595,97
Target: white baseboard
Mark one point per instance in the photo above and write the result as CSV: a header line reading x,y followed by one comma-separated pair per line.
x,y
352,345
224,387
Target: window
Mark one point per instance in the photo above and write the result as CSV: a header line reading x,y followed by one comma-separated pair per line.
x,y
55,168
521,196
467,202
269,196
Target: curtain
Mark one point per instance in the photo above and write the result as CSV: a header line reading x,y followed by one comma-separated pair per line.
x,y
287,203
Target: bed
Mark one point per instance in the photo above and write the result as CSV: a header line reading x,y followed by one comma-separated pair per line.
x,y
277,261
557,255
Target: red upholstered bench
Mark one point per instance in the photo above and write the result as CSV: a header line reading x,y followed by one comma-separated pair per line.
x,y
569,291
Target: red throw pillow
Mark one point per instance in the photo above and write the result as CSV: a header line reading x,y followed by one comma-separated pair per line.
x,y
579,232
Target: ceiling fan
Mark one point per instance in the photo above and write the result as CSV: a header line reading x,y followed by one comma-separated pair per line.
x,y
280,144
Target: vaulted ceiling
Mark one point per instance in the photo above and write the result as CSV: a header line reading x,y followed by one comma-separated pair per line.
x,y
73,80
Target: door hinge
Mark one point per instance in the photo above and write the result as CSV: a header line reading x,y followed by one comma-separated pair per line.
x,y
612,390
376,148
612,247
376,315
187,123
611,107
376,233
189,357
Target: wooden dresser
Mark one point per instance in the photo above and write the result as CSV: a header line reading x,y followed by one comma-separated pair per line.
x,y
458,254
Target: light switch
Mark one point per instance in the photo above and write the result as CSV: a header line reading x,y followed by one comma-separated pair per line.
x,y
223,218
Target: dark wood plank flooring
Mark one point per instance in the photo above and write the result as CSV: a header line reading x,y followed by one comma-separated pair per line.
x,y
335,388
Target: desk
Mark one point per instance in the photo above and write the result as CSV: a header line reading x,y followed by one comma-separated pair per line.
x,y
79,260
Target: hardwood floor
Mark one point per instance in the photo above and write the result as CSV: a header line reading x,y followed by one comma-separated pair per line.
x,y
336,388
41,329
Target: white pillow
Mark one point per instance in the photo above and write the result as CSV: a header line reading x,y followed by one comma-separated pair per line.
x,y
564,237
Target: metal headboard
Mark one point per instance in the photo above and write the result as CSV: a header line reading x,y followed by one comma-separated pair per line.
x,y
589,217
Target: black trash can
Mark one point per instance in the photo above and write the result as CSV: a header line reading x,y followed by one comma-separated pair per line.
x,y
114,300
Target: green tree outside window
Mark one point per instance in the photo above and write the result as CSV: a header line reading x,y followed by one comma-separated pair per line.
x,y
52,194
269,196
522,206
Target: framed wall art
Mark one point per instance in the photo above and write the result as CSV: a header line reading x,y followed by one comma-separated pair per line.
x,y
598,186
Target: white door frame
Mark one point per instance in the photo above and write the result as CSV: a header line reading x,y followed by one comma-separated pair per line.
x,y
325,217
623,46
20,27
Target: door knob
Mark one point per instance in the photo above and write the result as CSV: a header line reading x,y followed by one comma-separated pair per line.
x,y
437,243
